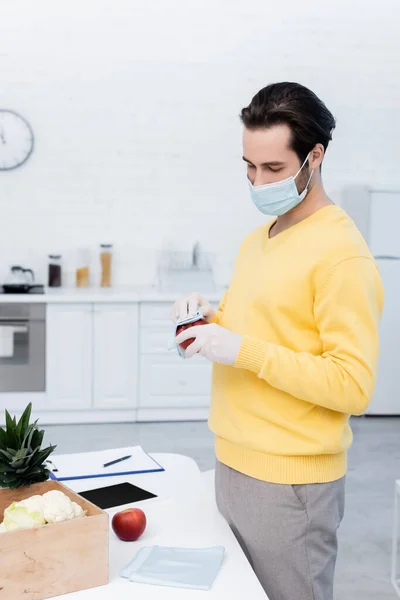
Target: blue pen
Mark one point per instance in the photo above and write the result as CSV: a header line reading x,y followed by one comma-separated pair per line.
x,y
114,462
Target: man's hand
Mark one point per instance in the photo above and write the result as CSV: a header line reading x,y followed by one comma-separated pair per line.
x,y
188,305
214,342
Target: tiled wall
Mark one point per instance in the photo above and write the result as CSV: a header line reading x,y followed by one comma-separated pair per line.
x,y
134,107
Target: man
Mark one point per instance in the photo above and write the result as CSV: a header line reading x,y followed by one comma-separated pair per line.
x,y
295,347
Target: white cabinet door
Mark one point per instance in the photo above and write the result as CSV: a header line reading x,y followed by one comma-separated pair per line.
x,y
167,381
170,382
115,355
69,356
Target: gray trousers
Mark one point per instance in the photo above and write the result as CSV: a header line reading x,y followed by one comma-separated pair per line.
x,y
288,532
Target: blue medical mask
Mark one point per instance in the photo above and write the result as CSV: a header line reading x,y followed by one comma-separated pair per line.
x,y
280,197
192,568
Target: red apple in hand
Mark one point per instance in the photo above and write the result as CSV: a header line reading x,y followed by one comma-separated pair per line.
x,y
129,524
181,328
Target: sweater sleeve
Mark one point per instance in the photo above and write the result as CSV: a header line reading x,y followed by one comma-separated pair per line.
x,y
347,311
218,313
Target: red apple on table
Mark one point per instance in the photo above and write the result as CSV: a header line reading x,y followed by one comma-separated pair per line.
x,y
129,524
181,328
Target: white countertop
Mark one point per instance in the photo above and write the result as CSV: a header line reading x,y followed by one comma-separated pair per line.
x,y
105,295
184,515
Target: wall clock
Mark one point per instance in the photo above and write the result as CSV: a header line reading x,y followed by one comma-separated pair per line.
x,y
16,140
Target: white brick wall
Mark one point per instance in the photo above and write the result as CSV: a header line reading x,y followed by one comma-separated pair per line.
x,y
134,105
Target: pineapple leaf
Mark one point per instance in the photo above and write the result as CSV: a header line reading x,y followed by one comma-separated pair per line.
x,y
19,458
22,470
26,442
37,438
14,480
17,464
21,453
6,469
12,439
41,456
23,423
29,457
7,454
3,438
42,476
8,477
8,419
22,459
35,471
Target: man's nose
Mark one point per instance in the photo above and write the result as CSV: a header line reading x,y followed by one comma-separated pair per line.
x,y
260,178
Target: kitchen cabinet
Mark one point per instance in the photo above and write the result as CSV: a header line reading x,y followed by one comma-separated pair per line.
x,y
69,356
170,382
166,381
115,352
107,360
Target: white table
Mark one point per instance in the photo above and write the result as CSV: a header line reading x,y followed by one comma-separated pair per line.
x,y
184,514
394,575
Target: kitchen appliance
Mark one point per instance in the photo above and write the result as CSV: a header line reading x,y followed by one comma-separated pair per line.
x,y
19,281
36,288
377,214
22,347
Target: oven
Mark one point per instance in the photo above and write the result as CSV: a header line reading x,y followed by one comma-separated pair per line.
x,y
22,347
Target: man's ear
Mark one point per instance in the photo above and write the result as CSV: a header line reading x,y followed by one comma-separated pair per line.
x,y
316,156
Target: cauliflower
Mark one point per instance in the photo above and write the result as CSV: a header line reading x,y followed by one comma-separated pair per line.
x,y
58,507
33,504
52,507
26,514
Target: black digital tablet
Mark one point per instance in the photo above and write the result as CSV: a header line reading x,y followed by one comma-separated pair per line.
x,y
117,495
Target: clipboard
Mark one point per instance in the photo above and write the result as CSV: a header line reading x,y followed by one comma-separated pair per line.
x,y
89,465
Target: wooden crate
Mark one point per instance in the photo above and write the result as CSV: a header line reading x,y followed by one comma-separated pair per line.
x,y
57,558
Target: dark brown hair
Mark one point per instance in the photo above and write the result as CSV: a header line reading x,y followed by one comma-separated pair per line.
x,y
296,106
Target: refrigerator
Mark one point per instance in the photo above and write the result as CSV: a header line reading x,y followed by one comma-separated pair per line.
x,y
386,399
377,215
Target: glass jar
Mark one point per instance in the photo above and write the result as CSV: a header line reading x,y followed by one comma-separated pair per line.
x,y
82,268
55,275
105,259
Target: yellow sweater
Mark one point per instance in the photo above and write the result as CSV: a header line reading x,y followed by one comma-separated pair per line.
x,y
308,303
